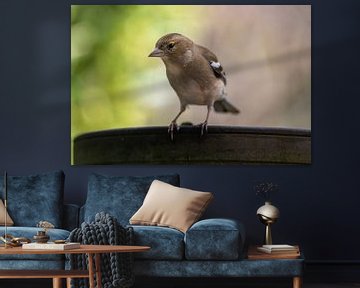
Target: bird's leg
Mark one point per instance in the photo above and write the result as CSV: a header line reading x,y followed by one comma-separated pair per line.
x,y
203,126
173,126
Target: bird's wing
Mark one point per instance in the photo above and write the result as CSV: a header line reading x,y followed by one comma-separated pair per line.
x,y
213,62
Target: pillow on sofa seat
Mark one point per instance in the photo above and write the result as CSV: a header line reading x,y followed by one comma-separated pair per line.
x,y
170,206
119,196
35,198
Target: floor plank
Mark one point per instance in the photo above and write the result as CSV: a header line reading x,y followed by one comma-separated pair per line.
x,y
46,283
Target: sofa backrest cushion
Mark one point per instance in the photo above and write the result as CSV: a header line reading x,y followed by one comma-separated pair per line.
x,y
120,196
35,198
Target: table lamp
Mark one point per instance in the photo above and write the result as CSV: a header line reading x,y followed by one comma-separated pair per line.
x,y
268,214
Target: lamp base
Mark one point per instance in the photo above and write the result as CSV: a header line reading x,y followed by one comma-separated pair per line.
x,y
268,237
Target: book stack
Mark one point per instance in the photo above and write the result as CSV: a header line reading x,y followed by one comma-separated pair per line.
x,y
282,251
51,246
279,249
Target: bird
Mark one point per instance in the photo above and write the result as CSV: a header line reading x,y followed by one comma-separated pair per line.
x,y
195,74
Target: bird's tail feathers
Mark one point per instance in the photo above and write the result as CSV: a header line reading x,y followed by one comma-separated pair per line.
x,y
223,106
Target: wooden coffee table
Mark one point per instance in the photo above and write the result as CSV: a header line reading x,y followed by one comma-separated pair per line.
x,y
92,251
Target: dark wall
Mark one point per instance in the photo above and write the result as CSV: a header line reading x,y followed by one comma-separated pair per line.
x,y
318,203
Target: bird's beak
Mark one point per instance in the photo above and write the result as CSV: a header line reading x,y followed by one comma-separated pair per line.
x,y
156,53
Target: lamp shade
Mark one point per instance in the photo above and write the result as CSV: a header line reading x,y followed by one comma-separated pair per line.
x,y
268,211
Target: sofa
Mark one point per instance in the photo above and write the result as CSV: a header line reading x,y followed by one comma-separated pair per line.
x,y
208,248
32,199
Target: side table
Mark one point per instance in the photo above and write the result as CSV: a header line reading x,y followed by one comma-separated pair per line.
x,y
255,255
94,268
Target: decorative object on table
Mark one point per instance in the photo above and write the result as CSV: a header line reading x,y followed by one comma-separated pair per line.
x,y
116,268
41,236
60,241
268,213
11,241
45,225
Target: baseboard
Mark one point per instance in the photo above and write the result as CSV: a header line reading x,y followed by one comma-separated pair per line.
x,y
314,272
332,271
206,282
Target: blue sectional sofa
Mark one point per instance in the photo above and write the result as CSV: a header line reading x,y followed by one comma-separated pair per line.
x,y
32,199
209,248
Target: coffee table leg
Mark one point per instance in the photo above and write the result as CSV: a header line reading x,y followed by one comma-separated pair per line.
x,y
297,282
57,283
68,282
91,270
98,270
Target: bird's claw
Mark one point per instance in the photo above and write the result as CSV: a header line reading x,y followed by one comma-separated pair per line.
x,y
203,129
173,128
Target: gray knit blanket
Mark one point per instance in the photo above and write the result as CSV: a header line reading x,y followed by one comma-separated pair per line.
x,y
116,268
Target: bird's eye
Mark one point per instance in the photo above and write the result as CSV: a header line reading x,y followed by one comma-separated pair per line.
x,y
171,45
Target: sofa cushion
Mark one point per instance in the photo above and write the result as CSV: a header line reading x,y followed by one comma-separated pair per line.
x,y
9,221
169,206
120,196
165,243
214,239
29,232
35,198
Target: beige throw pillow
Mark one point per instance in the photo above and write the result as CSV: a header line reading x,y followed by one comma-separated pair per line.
x,y
9,221
170,206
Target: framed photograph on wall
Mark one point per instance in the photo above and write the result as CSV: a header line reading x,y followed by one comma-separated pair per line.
x,y
223,84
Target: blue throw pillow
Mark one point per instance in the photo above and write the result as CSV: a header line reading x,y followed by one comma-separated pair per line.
x,y
120,196
35,198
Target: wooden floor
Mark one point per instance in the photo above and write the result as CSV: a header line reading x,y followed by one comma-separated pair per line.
x,y
338,285
45,283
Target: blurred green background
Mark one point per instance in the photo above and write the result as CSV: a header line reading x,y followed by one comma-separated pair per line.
x,y
265,51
